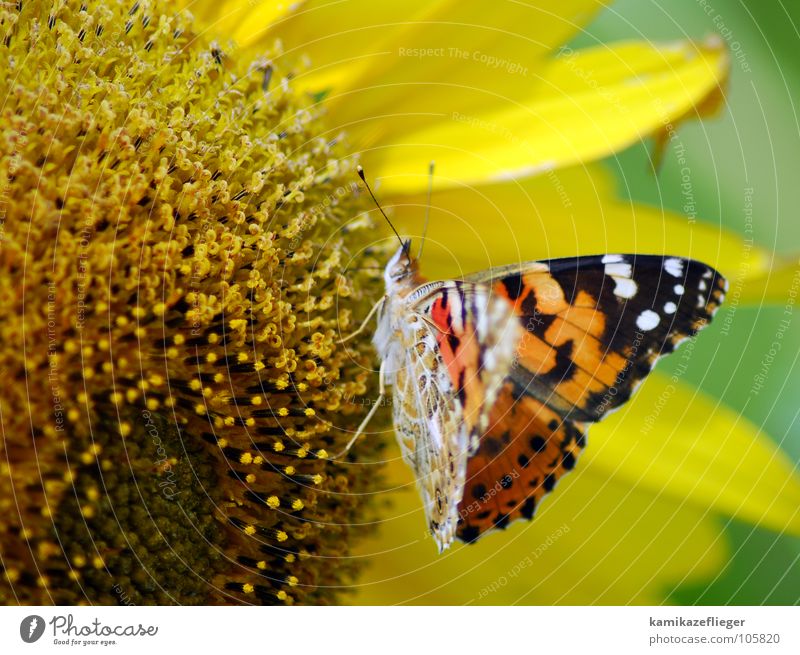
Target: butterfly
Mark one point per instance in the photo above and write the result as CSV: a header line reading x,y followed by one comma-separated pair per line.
x,y
497,376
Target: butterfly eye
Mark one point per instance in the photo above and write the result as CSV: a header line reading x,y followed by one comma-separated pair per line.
x,y
398,271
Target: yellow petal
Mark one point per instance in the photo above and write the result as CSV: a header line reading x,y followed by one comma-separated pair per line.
x,y
357,44
675,441
779,286
454,51
583,106
560,214
639,515
243,22
593,541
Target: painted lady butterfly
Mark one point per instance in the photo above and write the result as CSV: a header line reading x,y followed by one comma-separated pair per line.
x,y
497,376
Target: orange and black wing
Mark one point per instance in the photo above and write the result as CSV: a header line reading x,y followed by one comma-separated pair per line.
x,y
519,461
593,329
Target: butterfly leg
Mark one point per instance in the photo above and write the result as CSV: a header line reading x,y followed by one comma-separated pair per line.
x,y
368,417
365,322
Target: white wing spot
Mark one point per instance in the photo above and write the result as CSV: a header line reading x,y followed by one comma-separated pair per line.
x,y
702,285
678,288
670,307
625,287
647,320
674,266
618,270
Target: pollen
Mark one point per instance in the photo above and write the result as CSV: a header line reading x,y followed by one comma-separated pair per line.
x,y
205,264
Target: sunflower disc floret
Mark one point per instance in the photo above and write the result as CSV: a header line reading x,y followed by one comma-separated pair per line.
x,y
173,248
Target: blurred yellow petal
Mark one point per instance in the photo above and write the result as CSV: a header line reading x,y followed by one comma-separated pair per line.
x,y
586,105
560,214
779,286
642,513
593,541
243,22
676,441
356,44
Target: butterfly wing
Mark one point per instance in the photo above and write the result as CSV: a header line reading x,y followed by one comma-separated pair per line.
x,y
519,461
593,329
594,326
459,342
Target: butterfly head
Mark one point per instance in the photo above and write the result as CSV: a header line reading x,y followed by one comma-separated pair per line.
x,y
401,266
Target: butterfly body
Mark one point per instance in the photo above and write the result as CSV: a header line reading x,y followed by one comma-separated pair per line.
x,y
430,335
496,377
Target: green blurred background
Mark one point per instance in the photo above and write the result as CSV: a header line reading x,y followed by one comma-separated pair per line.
x,y
754,144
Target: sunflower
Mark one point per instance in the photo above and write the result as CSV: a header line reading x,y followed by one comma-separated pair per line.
x,y
183,243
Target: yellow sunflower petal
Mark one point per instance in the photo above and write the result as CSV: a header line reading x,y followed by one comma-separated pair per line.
x,y
459,53
559,214
641,514
243,22
780,286
585,105
677,442
593,541
357,43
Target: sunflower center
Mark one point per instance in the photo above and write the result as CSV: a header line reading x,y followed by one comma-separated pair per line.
x,y
175,238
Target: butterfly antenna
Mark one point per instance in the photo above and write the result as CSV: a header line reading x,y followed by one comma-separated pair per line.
x,y
427,209
377,204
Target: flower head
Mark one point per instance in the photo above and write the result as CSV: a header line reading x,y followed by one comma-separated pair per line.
x,y
176,232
